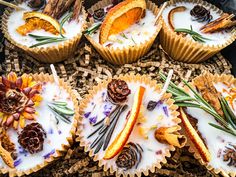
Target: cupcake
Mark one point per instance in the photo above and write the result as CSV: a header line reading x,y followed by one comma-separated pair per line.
x,y
209,120
193,31
126,127
49,33
123,32
37,122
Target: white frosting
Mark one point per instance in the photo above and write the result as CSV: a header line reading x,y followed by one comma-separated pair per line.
x,y
72,28
56,134
135,34
215,139
184,20
150,146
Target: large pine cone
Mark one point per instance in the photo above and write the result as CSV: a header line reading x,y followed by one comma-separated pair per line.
x,y
130,156
118,90
201,14
32,138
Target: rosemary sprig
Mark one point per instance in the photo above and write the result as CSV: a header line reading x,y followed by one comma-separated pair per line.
x,y
65,19
49,39
133,40
92,29
48,42
196,36
183,99
124,36
61,110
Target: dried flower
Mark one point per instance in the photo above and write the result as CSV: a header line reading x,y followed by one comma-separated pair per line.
x,y
32,137
18,96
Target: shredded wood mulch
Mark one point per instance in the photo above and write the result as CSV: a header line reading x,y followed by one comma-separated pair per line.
x,y
86,69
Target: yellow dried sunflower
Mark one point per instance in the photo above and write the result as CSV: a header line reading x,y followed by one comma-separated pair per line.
x,y
18,98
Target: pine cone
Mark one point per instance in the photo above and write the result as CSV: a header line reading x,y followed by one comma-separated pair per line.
x,y
230,155
201,14
36,4
118,91
130,156
32,138
99,14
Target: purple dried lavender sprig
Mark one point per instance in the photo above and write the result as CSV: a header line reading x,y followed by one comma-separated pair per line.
x,y
165,109
46,156
50,131
87,114
17,162
22,151
93,120
153,104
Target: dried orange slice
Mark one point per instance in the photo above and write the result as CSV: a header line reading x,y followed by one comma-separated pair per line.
x,y
121,139
121,17
36,21
195,138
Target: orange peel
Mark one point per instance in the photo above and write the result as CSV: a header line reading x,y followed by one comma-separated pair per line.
x,y
120,17
195,138
36,21
121,139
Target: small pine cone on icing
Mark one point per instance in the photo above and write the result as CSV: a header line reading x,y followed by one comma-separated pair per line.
x,y
32,138
201,14
118,91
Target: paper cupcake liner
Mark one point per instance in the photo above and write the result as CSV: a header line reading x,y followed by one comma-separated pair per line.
x,y
51,54
129,54
128,78
216,78
70,139
186,50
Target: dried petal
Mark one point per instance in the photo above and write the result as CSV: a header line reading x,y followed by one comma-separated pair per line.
x,y
5,81
30,110
33,92
12,77
19,82
9,121
16,116
170,136
27,90
30,103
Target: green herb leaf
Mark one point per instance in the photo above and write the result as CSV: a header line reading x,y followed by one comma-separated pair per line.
x,y
65,19
48,42
92,29
196,36
133,40
124,36
183,99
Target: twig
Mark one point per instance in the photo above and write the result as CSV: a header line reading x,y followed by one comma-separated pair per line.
x,y
54,73
11,5
160,12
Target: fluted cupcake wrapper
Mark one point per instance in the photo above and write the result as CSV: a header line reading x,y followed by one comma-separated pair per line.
x,y
129,54
229,79
52,54
70,139
186,50
103,163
